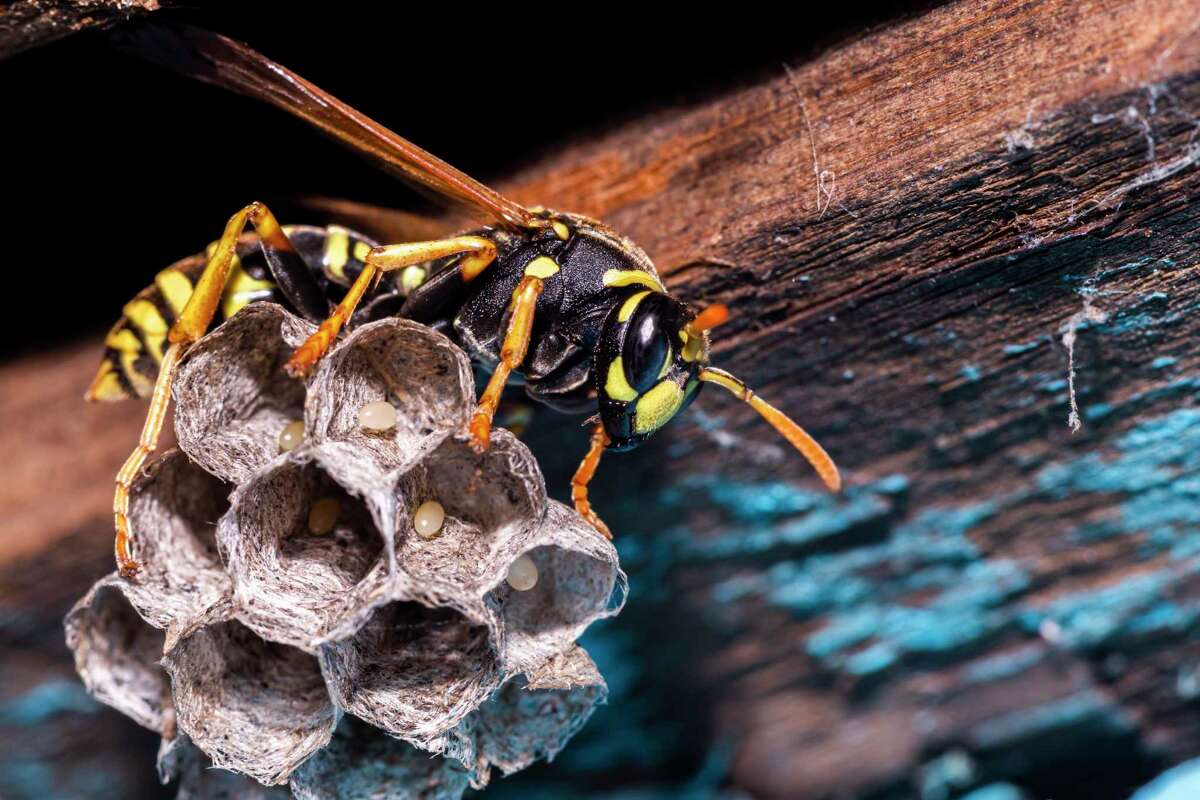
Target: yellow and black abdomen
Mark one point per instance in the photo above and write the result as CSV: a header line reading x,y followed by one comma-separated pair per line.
x,y
134,346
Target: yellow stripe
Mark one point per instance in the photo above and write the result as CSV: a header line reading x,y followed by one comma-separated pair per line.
x,y
124,340
615,385
175,288
628,277
411,278
361,250
561,230
542,267
144,316
241,290
657,406
106,386
142,385
337,252
629,305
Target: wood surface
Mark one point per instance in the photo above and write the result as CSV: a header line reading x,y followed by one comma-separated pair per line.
x,y
25,24
907,227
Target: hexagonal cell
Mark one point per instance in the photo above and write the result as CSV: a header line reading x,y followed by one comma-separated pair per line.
x,y
578,582
293,583
520,726
252,706
492,501
530,718
117,653
233,398
173,512
413,671
412,367
362,761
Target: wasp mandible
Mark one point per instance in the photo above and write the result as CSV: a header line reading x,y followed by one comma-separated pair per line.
x,y
572,306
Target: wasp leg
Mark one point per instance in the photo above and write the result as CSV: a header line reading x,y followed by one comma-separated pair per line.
x,y
583,476
191,324
480,253
512,353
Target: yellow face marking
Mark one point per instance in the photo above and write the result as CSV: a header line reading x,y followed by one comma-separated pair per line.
x,y
657,406
542,267
361,249
412,278
144,316
561,230
628,277
175,288
629,305
615,385
337,253
241,290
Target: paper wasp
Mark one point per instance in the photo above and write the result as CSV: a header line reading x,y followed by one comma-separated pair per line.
x,y
573,307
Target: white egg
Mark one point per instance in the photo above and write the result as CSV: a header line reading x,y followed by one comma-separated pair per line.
x,y
377,416
291,435
429,518
523,574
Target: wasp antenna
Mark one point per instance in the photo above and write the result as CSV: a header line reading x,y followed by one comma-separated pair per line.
x,y
797,437
709,318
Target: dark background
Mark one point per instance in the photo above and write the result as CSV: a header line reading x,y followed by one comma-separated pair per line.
x,y
115,168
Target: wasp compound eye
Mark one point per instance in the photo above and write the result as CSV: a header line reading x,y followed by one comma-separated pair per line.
x,y
647,347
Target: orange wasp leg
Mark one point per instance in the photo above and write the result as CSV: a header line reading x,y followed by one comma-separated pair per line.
x,y
193,321
583,476
479,254
512,353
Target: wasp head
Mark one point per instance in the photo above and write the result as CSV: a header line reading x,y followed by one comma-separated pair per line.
x,y
653,359
652,349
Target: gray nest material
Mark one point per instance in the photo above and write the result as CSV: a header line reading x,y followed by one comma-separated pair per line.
x,y
532,717
232,397
248,637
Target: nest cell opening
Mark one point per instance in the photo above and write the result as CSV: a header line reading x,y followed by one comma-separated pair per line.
x,y
572,589
173,513
408,366
117,654
490,500
253,706
233,398
294,574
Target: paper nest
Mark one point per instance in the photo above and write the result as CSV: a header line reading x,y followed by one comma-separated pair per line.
x,y
246,638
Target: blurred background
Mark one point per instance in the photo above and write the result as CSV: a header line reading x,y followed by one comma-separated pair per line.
x,y
1030,638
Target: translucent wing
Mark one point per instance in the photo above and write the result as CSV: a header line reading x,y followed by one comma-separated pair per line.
x,y
221,61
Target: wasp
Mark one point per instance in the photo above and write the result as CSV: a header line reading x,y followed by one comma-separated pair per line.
x,y
569,305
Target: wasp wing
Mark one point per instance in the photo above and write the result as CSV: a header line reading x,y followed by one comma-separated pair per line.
x,y
221,61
